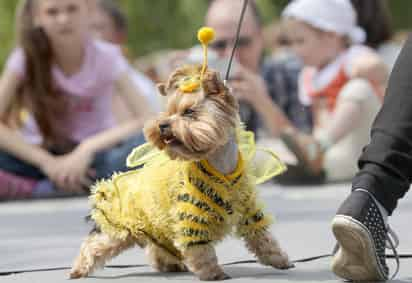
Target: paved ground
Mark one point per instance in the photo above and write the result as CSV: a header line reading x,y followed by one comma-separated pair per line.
x,y
47,234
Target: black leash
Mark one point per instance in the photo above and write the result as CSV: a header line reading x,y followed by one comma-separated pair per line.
x,y
146,265
242,14
123,266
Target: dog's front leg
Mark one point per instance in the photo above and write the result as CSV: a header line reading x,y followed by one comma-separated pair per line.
x,y
202,261
267,250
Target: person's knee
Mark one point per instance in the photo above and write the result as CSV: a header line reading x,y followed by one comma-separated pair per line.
x,y
14,165
359,89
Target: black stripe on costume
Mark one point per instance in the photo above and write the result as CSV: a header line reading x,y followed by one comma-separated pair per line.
x,y
200,204
210,175
196,243
257,217
234,182
193,218
191,232
217,179
208,191
102,195
190,199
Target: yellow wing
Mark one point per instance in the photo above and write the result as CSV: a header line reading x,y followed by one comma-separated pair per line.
x,y
146,154
262,163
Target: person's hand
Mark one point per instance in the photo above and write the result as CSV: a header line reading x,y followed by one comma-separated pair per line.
x,y
71,172
251,87
248,86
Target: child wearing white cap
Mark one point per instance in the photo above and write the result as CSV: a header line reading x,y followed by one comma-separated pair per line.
x,y
342,80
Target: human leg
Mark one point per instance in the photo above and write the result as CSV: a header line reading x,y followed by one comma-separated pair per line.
x,y
383,179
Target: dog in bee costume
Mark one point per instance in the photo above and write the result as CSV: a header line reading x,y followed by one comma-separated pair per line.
x,y
196,185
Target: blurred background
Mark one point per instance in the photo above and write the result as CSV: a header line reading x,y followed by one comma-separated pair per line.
x,y
160,35
161,24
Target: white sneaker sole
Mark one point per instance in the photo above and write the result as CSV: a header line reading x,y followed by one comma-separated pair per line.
x,y
356,258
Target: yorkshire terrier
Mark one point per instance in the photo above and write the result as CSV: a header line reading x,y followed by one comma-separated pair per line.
x,y
177,210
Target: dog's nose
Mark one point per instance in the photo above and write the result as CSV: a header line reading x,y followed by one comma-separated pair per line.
x,y
164,127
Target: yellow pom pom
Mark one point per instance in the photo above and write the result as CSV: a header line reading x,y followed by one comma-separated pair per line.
x,y
206,35
190,87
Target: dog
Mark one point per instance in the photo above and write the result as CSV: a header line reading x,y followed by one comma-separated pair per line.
x,y
190,194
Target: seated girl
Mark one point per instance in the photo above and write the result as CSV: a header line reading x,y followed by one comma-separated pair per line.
x,y
57,130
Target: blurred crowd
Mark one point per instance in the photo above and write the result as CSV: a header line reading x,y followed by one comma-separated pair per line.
x,y
73,102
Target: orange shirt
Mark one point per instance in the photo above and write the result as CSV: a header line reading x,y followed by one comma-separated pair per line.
x,y
330,92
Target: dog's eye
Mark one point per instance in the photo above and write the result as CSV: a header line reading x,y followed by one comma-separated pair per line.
x,y
188,112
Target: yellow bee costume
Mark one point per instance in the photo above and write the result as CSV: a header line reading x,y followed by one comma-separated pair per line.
x,y
177,204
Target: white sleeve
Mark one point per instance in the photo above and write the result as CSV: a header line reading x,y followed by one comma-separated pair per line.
x,y
348,110
357,90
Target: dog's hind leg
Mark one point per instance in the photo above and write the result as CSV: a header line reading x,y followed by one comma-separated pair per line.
x,y
96,250
162,260
202,261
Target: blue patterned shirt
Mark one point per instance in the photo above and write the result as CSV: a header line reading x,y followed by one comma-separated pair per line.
x,y
281,77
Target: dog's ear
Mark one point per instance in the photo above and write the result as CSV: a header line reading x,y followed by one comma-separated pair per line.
x,y
161,88
212,84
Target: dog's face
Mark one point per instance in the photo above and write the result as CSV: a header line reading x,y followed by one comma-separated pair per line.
x,y
196,122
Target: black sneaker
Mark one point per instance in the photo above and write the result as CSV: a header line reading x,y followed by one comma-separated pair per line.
x,y
361,233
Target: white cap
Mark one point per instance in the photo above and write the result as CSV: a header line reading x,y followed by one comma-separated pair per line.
x,y
337,16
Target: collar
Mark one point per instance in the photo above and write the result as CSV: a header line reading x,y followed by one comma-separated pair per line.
x,y
229,177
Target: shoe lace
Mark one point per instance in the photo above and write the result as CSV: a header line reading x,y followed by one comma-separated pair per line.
x,y
392,242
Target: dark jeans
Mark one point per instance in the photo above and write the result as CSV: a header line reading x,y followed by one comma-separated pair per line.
x,y
105,162
386,163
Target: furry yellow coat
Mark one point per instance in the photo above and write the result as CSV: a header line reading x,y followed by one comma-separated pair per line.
x,y
177,204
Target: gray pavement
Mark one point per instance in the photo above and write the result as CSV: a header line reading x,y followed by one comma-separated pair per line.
x,y
47,234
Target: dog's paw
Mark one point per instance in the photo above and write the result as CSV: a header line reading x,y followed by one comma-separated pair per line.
x,y
279,261
175,267
219,276
78,273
